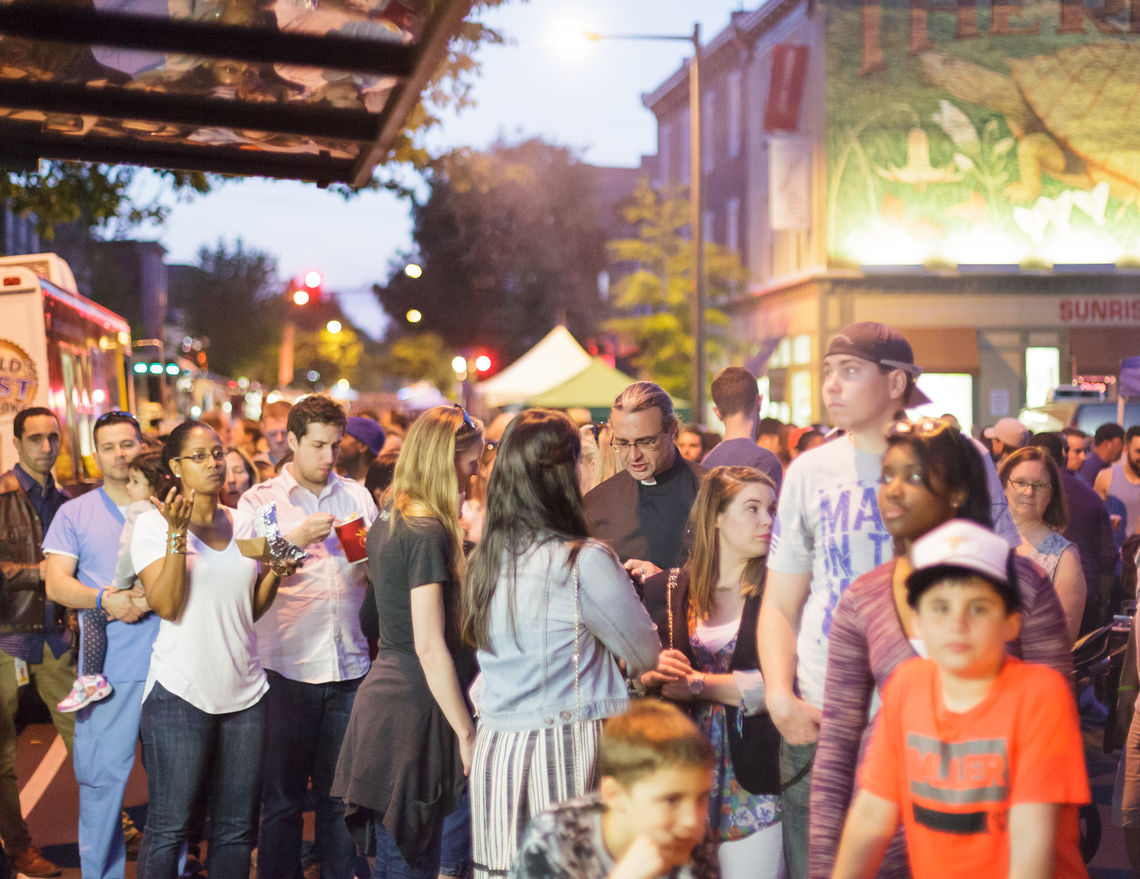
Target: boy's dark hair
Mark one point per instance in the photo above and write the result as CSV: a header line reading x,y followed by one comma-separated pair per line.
x,y
1051,443
315,409
1108,432
24,414
769,426
155,472
734,391
648,737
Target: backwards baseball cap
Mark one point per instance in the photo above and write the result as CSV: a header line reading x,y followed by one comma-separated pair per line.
x,y
366,431
956,549
1010,431
884,346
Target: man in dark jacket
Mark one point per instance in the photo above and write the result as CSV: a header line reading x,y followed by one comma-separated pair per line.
x,y
35,645
642,512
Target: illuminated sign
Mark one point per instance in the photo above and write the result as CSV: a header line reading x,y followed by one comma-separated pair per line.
x,y
971,133
18,379
1100,310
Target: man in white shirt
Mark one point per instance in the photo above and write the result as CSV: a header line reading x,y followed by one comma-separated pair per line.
x,y
310,645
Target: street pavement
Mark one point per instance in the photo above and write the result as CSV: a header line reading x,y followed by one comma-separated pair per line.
x,y
53,816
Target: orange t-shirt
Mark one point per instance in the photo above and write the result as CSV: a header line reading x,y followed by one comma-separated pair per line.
x,y
955,776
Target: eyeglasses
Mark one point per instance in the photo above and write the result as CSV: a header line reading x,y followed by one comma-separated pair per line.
x,y
645,443
923,428
468,422
1023,484
115,416
217,453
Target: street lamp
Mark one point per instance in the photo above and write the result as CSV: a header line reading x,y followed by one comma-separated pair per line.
x,y
696,206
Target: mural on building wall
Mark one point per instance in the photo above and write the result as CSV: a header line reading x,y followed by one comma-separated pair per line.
x,y
970,133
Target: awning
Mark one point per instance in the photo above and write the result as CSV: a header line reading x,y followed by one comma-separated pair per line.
x,y
278,88
595,387
556,357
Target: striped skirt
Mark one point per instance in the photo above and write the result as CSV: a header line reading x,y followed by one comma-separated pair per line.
x,y
516,775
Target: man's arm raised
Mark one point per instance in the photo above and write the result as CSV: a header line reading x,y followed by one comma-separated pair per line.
x,y
776,630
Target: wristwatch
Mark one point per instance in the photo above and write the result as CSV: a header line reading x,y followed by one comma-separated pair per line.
x,y
696,683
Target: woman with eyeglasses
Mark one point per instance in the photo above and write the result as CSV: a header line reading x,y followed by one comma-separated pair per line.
x,y
203,705
551,613
1036,499
410,738
930,474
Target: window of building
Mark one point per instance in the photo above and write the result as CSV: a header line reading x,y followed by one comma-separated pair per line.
x,y
708,130
1042,374
732,225
665,149
799,385
735,100
952,392
801,349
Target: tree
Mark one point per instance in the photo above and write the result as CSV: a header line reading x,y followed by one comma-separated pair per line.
x,y
419,356
510,243
235,300
654,299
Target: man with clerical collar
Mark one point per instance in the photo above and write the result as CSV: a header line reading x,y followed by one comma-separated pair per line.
x,y
642,512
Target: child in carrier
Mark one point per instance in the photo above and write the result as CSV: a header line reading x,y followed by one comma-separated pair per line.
x,y
148,477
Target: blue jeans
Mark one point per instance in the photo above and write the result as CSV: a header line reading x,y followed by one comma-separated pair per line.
x,y
185,751
390,863
796,798
106,734
304,727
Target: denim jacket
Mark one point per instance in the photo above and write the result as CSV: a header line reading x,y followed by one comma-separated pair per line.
x,y
528,678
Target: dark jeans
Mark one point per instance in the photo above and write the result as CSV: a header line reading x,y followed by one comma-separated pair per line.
x,y
796,797
390,863
455,850
304,728
186,751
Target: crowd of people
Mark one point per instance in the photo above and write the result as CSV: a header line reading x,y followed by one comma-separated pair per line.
x,y
630,649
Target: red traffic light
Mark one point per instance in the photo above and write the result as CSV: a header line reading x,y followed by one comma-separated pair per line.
x,y
307,289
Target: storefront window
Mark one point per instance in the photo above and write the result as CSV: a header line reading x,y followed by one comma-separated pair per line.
x,y
1042,374
952,392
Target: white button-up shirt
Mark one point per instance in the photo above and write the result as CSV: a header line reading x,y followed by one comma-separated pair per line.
x,y
311,632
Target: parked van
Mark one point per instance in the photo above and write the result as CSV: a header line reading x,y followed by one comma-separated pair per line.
x,y
1085,415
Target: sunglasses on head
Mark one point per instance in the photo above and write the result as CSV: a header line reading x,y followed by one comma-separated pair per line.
x,y
922,428
115,416
467,420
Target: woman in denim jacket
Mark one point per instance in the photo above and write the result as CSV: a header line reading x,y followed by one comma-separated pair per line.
x,y
552,614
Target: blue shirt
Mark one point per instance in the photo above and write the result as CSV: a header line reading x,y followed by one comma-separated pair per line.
x,y
87,529
28,647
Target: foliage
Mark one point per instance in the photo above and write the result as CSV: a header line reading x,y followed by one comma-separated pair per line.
x,y
232,300
419,356
654,298
333,356
510,243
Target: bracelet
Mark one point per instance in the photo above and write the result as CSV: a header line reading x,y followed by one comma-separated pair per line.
x,y
176,542
99,599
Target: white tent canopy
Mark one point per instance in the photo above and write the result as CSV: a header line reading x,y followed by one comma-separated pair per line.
x,y
555,359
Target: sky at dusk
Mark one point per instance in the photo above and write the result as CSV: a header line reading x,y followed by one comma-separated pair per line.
x,y
544,82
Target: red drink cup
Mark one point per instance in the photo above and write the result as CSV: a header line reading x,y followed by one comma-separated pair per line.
x,y
352,534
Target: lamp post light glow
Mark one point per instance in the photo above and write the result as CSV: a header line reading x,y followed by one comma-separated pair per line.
x,y
413,271
334,327
459,364
300,297
313,279
414,316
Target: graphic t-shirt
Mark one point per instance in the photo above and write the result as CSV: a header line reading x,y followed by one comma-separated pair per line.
x,y
828,525
955,776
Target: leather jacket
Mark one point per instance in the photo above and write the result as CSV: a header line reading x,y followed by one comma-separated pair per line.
x,y
22,593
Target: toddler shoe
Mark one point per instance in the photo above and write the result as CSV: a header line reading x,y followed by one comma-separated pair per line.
x,y
85,690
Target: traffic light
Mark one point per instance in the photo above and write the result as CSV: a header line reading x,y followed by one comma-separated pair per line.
x,y
484,362
308,290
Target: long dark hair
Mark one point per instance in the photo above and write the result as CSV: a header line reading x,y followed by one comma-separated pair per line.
x,y
951,457
532,498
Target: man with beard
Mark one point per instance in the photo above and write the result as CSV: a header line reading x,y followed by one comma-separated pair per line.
x,y
363,439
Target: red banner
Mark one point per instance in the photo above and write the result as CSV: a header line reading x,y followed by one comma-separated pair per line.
x,y
786,90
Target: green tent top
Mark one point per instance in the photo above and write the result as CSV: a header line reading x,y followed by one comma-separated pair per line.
x,y
594,388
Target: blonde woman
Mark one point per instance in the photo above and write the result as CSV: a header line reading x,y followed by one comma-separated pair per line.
x,y
410,739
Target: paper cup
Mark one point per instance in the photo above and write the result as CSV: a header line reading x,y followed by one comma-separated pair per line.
x,y
352,535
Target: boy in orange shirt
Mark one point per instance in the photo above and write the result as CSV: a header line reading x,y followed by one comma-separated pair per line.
x,y
979,754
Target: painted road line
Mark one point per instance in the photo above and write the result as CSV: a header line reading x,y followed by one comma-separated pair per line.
x,y
32,791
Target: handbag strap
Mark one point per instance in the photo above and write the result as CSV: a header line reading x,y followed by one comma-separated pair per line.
x,y
671,586
577,647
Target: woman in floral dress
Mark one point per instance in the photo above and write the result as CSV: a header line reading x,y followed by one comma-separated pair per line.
x,y
706,615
